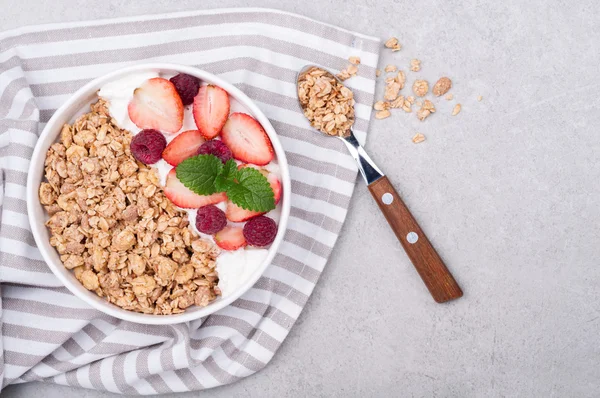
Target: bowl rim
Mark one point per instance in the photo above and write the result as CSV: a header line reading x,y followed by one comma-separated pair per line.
x,y
39,155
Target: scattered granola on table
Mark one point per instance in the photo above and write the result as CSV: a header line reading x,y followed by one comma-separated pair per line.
x,y
456,109
113,226
418,138
415,65
392,89
442,86
426,109
407,105
382,114
327,103
420,87
401,79
393,43
381,105
398,102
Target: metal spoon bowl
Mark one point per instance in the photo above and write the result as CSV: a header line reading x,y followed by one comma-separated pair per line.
x,y
431,268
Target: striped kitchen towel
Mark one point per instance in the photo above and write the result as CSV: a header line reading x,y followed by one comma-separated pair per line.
x,y
50,335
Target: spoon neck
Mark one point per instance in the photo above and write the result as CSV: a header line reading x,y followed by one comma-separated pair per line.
x,y
368,169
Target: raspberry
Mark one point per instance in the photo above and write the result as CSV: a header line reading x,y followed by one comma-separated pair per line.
x,y
260,231
217,148
187,87
210,219
147,146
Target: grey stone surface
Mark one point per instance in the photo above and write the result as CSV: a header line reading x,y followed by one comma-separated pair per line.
x,y
508,192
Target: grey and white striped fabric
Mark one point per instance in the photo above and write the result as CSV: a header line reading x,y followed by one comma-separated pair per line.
x,y
50,335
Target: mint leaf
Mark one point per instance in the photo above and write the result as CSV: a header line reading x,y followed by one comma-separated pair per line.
x,y
229,169
223,181
251,191
199,173
222,184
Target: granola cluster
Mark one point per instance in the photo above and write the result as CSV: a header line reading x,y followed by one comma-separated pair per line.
x,y
442,86
427,108
113,226
393,44
327,103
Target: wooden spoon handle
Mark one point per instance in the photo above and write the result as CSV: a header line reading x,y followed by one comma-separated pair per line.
x,y
437,278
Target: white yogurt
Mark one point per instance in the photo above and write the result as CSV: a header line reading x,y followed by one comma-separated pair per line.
x,y
234,268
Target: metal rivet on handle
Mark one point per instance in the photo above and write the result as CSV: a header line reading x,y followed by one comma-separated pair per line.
x,y
387,198
412,237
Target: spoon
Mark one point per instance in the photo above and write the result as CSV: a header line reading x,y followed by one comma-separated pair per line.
x,y
429,265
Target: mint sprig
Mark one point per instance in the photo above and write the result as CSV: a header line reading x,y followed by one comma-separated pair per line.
x,y
247,187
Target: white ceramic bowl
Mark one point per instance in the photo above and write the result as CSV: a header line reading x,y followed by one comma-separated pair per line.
x,y
79,104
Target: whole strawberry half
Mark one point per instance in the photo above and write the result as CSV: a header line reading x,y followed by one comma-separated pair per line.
x,y
156,105
247,139
182,147
210,109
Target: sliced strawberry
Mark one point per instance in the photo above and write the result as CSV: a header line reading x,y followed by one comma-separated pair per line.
x,y
211,108
247,139
182,147
235,213
272,178
276,186
230,238
181,196
156,105
255,167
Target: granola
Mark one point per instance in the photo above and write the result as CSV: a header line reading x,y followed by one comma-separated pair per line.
x,y
442,86
382,114
420,87
398,102
381,105
418,138
401,79
348,72
392,89
327,103
113,226
456,109
427,108
354,60
415,65
393,44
